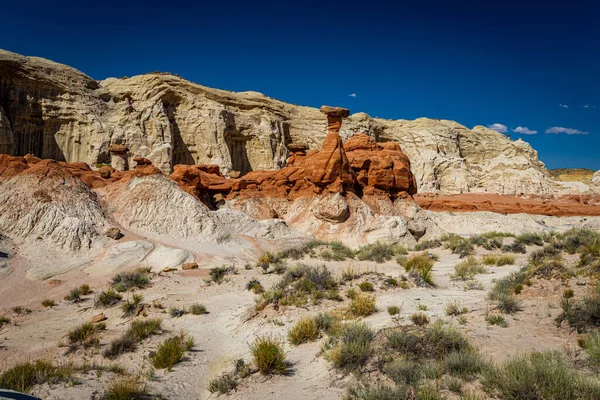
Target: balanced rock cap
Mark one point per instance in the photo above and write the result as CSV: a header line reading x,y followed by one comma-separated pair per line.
x,y
335,111
117,148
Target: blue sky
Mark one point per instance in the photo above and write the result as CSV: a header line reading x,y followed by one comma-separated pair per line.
x,y
526,67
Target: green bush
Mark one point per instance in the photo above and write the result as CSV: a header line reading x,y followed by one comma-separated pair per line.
x,y
514,248
108,298
404,372
126,388
419,319
224,384
85,335
507,303
435,341
543,376
305,330
496,319
455,308
217,274
362,306
132,307
427,244
23,377
393,310
354,348
530,239
379,252
74,296
269,356
198,309
48,303
171,351
465,364
130,280
467,269
366,286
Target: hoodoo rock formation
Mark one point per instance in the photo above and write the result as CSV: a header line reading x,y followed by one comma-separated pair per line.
x,y
54,111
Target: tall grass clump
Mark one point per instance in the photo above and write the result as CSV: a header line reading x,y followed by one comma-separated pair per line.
x,y
269,356
108,298
171,351
138,279
305,330
354,347
467,269
380,252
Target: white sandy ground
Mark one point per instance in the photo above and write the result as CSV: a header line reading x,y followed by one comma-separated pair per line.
x,y
223,335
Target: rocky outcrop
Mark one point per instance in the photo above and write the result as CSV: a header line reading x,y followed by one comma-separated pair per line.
x,y
54,111
45,201
596,179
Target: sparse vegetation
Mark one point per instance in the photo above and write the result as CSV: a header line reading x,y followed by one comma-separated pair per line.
x,y
420,267
354,347
419,319
366,286
132,307
138,279
467,269
455,308
138,331
514,248
393,310
269,356
85,289
380,252
126,388
362,306
74,296
530,239
22,377
496,319
86,335
48,303
223,384
198,309
171,351
305,330
108,298
217,274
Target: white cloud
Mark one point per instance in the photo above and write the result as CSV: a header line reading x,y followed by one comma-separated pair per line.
x,y
524,130
586,106
498,127
563,105
568,131
352,95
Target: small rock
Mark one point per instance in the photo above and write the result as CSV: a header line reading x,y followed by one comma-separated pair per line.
x,y
191,265
98,318
169,269
114,233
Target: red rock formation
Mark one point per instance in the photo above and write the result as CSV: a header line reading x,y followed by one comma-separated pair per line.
x,y
202,181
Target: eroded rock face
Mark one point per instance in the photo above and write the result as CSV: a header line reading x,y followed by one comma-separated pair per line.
x,y
54,111
596,179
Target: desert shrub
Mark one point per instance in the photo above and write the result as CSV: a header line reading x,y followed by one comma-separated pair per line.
x,y
418,262
305,330
391,282
401,260
4,320
85,335
489,259
591,345
350,274
300,282
126,388
507,303
377,392
48,303
366,286
419,319
379,252
269,356
422,307
455,308
393,310
121,345
539,376
568,293
496,319
223,384
339,251
530,239
506,286
454,384
279,267
74,296
255,286
362,306
85,289
351,293
404,372
473,285
176,312
465,364
23,377
170,351
138,279
514,248
132,307
143,329
217,274
589,253
457,244
432,342
467,269
427,244
108,298
354,348
573,240
198,309
326,322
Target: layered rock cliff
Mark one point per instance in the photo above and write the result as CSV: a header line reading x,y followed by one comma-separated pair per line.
x,y
54,111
